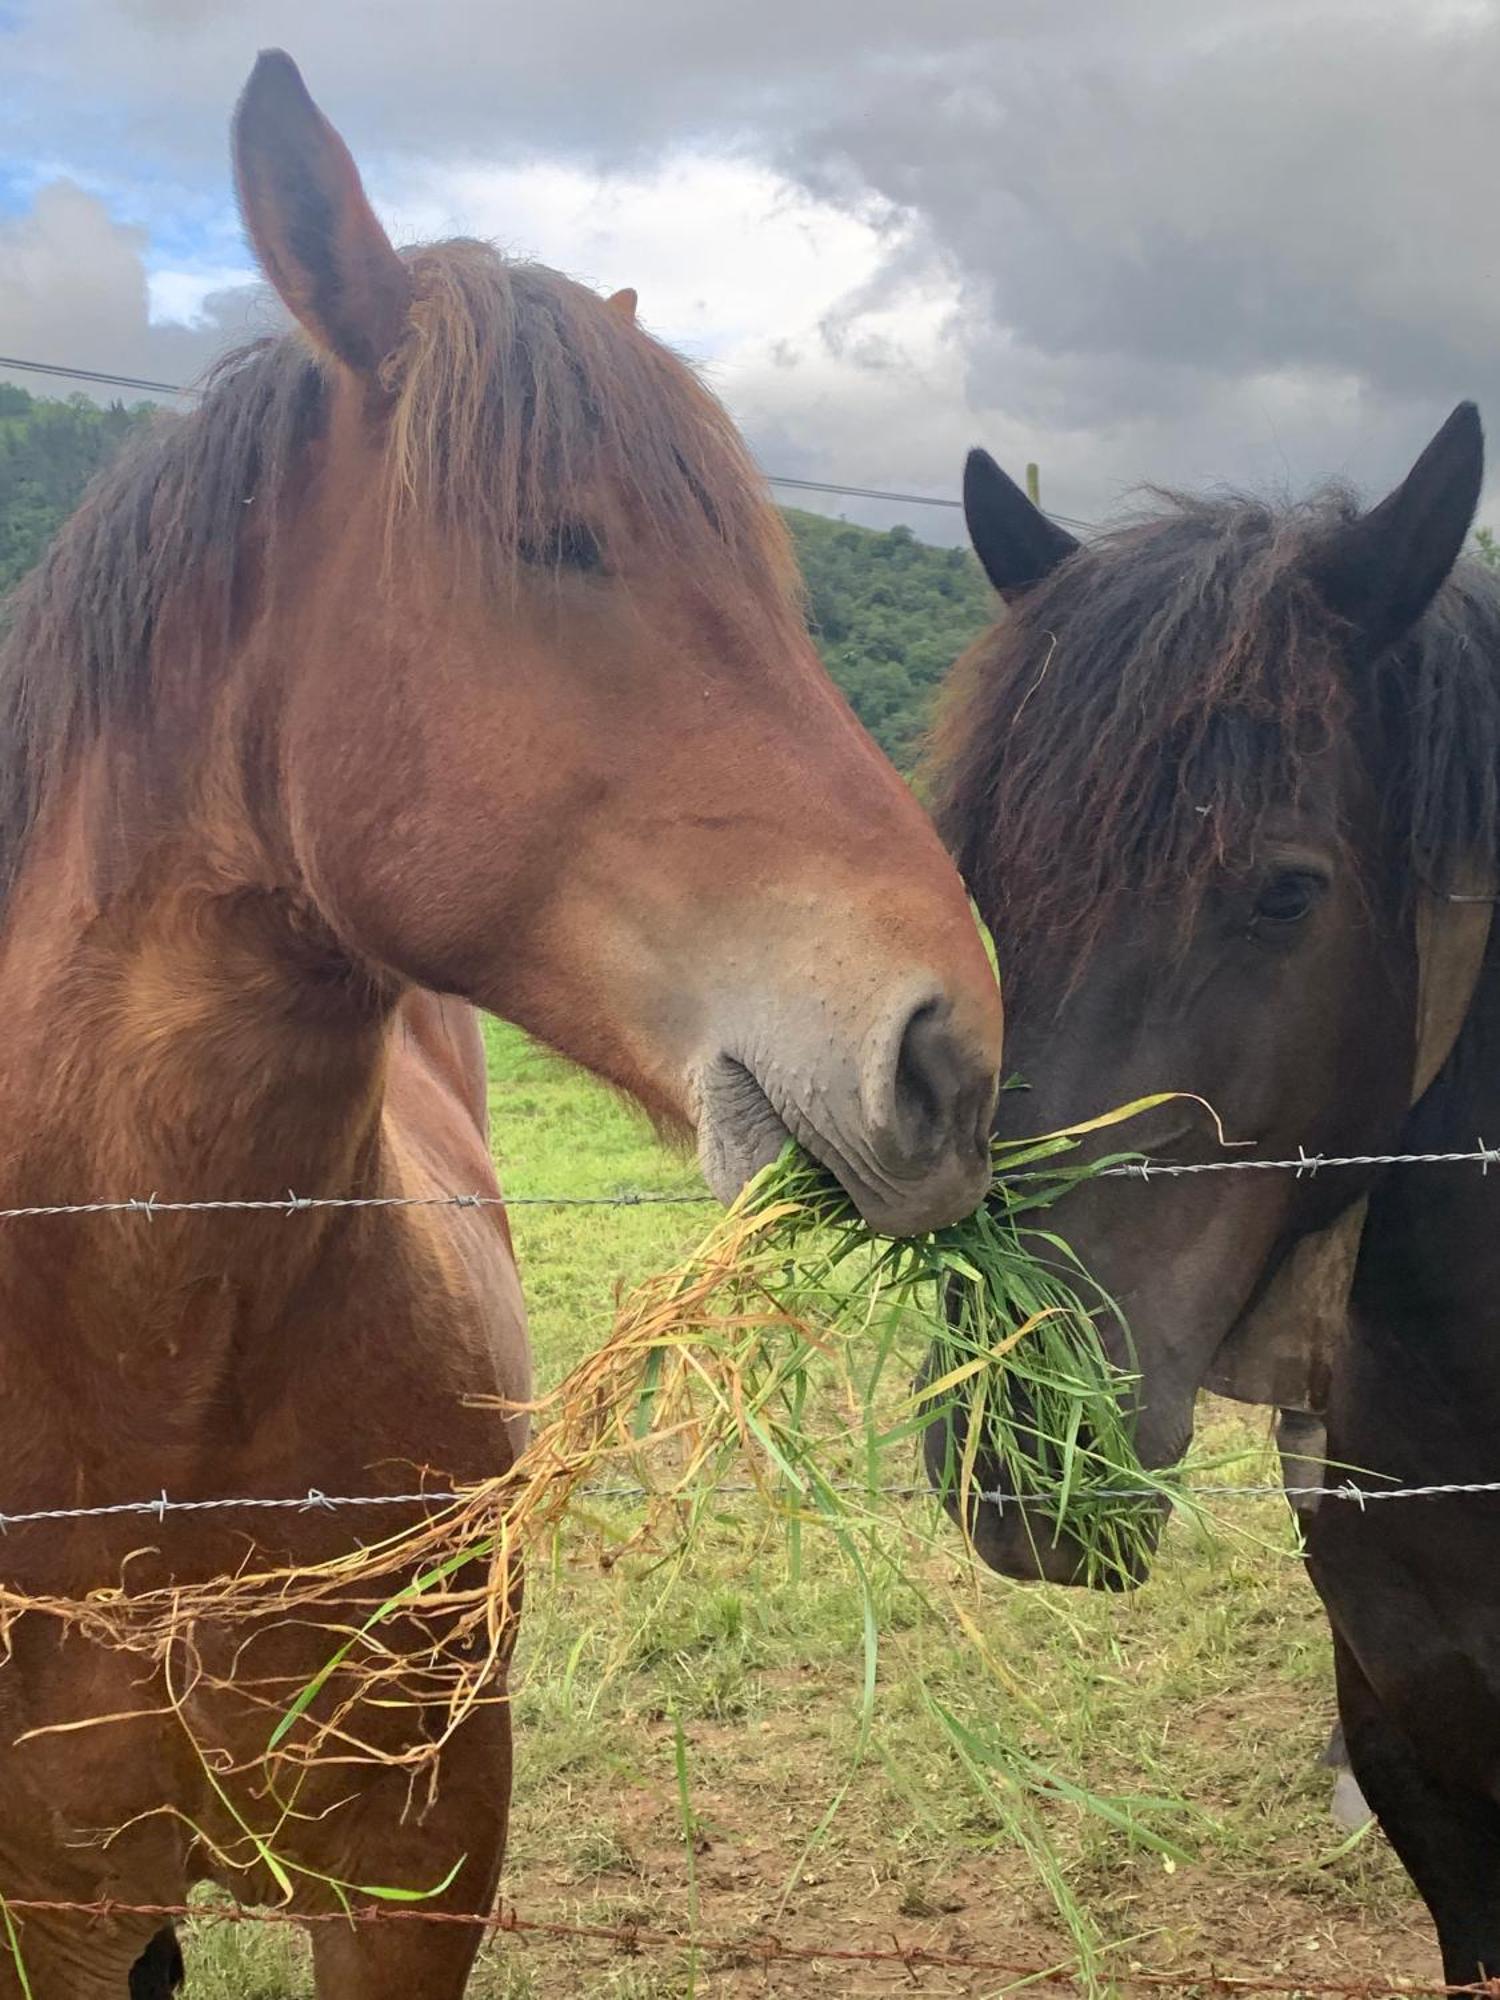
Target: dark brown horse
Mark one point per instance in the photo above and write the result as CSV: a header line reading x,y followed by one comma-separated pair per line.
x,y
450,647
1226,784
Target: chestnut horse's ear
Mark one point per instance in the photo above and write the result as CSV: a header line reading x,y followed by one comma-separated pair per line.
x,y
1383,571
624,302
313,229
1014,540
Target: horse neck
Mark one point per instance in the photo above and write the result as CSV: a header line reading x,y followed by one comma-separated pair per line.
x,y
182,1037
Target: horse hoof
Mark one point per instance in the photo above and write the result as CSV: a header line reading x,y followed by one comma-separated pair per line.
x,y
1350,1809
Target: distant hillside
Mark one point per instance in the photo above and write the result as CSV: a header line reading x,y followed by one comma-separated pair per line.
x,y
49,451
888,613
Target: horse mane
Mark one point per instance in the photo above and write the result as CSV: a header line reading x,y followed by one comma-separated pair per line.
x,y
516,395
1127,730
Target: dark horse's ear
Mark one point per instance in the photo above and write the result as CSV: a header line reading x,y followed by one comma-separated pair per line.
x,y
1383,571
313,229
1014,540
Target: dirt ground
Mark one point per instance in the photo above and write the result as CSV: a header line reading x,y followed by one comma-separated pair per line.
x,y
1313,1919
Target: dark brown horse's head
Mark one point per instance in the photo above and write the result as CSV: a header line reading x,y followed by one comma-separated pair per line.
x,y
473,607
1196,779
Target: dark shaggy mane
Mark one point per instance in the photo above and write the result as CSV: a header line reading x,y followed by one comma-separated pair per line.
x,y
1127,730
516,397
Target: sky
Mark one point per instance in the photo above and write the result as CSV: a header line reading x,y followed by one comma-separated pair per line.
x,y
1252,243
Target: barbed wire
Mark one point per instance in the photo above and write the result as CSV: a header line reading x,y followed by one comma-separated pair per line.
x,y
315,1500
1304,1166
297,1204
759,1946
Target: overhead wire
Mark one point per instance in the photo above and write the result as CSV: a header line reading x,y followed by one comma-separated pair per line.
x,y
104,378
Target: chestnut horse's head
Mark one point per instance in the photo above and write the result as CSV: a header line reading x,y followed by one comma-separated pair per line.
x,y
1200,779
481,589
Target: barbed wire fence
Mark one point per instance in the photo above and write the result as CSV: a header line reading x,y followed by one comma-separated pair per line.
x,y
760,1948
161,1505
754,1948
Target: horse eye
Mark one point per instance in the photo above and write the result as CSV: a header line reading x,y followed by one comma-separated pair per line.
x,y
1287,898
570,545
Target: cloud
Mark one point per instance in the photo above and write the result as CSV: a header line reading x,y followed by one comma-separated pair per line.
x,y
77,293
719,248
1131,239
461,78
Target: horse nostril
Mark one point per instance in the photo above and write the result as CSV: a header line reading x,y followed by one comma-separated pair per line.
x,y
942,1088
920,1063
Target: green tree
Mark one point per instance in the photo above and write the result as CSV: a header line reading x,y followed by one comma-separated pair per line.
x,y
49,451
889,615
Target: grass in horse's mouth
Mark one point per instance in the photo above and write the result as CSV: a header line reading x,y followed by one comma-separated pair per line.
x,y
1016,1371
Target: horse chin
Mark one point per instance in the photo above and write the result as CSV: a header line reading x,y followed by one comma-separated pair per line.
x,y
1016,1541
1008,1540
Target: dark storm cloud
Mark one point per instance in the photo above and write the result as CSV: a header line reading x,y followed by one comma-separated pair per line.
x,y
1317,193
467,77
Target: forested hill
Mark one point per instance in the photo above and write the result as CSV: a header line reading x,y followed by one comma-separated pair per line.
x,y
49,451
889,614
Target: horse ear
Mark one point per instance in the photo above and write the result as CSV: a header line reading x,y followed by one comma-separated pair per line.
x,y
1383,571
313,229
1014,540
624,302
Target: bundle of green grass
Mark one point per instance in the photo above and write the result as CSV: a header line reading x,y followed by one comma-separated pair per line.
x,y
1017,1376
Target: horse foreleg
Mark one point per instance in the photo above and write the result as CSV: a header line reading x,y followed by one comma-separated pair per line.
x,y
1448,1838
408,1954
83,1957
159,1971
394,1961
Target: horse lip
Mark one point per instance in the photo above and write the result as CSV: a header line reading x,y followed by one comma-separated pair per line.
x,y
740,1130
743,1126
1009,1550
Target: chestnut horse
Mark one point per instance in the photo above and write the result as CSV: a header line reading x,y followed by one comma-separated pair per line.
x,y
449,648
1227,781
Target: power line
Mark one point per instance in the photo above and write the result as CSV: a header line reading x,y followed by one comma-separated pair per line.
x,y
902,499
95,375
111,381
